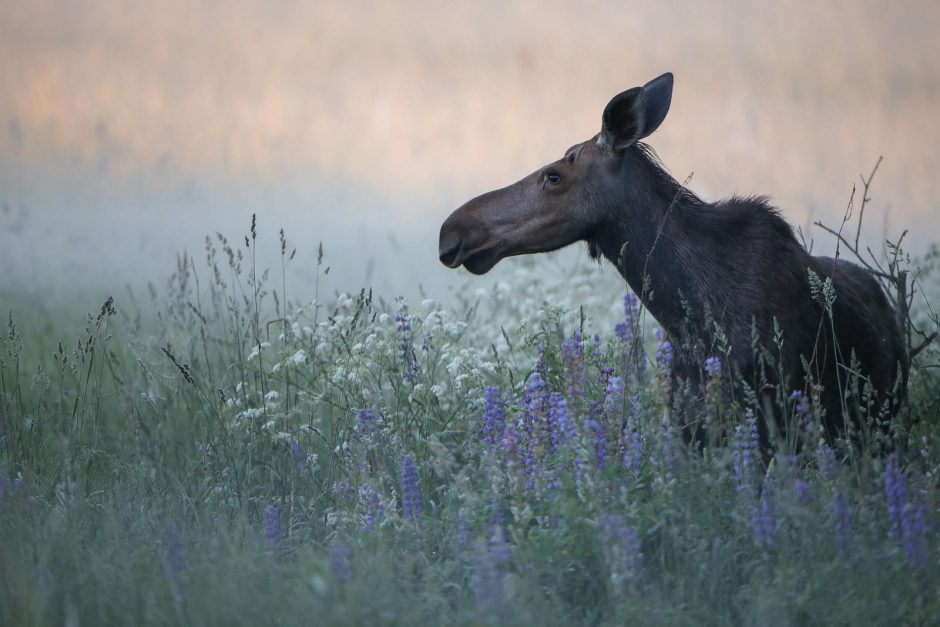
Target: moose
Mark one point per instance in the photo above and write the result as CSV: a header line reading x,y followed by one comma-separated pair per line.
x,y
727,275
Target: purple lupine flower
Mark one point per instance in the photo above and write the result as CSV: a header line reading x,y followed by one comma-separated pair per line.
x,y
613,397
339,560
370,506
621,547
764,521
410,490
272,526
367,420
596,349
535,404
744,449
175,556
561,430
667,449
572,357
915,534
713,367
600,442
298,455
632,452
493,421
486,581
826,461
800,402
635,408
343,490
802,408
804,492
406,348
500,550
896,496
512,449
842,516
174,561
908,519
663,351
631,310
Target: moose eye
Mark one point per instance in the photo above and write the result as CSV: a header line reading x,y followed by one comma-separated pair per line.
x,y
553,177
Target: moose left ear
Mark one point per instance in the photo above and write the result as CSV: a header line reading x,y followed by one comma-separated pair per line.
x,y
636,113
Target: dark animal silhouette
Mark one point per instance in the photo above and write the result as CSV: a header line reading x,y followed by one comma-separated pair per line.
x,y
693,263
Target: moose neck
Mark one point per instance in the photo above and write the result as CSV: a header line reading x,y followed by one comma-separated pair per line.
x,y
648,239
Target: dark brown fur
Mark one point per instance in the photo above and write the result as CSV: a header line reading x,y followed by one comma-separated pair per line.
x,y
735,262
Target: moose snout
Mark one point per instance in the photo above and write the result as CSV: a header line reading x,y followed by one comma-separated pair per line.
x,y
455,241
449,249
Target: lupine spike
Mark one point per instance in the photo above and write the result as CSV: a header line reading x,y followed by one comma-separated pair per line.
x,y
410,490
272,526
493,421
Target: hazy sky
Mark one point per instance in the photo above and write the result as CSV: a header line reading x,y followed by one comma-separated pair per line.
x,y
128,131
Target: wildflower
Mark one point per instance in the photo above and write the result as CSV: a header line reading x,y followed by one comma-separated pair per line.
x,y
802,409
487,584
843,520
500,550
764,520
572,357
535,404
744,447
174,561
410,490
596,349
631,310
512,445
663,351
800,402
493,419
272,526
632,452
713,367
600,442
175,551
367,420
908,519
339,560
804,492
826,461
561,430
667,449
406,348
613,396
621,547
370,506
298,455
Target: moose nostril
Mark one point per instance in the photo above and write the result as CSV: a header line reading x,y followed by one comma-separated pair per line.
x,y
449,250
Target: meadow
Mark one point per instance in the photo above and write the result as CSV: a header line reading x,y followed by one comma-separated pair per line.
x,y
226,451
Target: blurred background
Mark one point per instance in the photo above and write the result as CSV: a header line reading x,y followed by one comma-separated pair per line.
x,y
129,131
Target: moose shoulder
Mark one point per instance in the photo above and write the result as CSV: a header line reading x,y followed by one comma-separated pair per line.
x,y
696,266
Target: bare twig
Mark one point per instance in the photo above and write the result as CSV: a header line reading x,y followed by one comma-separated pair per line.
x,y
866,183
877,272
898,285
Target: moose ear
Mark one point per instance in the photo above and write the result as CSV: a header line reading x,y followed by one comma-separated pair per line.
x,y
636,113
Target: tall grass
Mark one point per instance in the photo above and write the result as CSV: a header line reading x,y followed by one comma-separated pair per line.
x,y
238,457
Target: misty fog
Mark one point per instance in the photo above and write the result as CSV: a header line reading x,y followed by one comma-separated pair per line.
x,y
130,134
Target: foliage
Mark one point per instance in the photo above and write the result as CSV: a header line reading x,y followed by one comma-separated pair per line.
x,y
512,459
